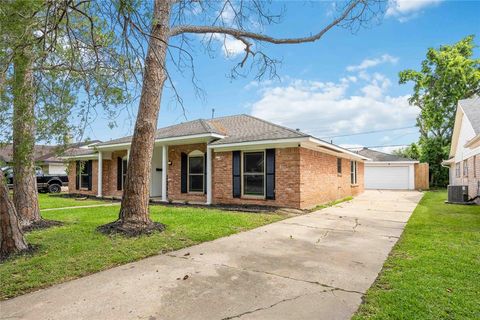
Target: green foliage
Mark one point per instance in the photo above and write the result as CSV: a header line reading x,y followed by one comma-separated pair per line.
x,y
432,272
77,64
447,75
433,151
411,152
76,249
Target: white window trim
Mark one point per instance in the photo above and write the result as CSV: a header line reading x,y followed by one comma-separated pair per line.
x,y
242,174
355,173
465,168
458,174
195,154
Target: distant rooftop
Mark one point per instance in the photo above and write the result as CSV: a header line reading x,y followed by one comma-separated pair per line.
x,y
46,153
381,156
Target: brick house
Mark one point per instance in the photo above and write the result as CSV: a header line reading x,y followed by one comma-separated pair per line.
x,y
464,159
236,159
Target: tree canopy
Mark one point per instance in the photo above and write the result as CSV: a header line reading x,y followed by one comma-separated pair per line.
x,y
447,74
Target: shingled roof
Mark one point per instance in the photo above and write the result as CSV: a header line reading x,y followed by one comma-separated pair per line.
x,y
381,156
41,152
48,154
471,108
237,128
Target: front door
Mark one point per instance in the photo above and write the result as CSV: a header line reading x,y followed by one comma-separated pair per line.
x,y
156,174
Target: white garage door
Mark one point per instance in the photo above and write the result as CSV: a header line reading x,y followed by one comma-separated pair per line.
x,y
386,177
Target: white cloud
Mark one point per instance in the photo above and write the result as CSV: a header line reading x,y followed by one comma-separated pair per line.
x,y
326,108
405,10
231,47
369,63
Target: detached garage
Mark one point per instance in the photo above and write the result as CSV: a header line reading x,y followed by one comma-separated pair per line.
x,y
388,171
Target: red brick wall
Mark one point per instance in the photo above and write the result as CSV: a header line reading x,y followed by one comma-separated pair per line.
x,y
472,178
287,179
72,178
174,173
109,181
320,182
303,178
109,177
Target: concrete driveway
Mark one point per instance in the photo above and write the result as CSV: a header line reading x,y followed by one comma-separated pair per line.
x,y
315,266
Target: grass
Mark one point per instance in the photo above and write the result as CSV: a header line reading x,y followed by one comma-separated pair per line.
x,y
433,271
76,249
331,203
49,201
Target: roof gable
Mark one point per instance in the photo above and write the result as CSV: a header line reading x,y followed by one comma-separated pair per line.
x,y
471,108
246,128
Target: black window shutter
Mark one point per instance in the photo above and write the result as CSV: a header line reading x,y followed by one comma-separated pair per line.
x,y
89,172
183,173
270,174
119,173
236,175
77,175
205,174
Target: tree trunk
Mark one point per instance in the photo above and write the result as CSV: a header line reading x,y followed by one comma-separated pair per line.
x,y
134,213
25,194
11,236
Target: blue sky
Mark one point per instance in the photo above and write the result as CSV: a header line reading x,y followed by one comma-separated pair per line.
x,y
345,83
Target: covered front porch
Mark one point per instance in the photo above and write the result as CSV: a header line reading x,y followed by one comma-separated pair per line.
x,y
181,169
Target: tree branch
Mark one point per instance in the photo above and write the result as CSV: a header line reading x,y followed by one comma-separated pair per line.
x,y
242,34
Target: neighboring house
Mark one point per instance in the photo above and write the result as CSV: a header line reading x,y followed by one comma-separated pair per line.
x,y
464,158
388,171
237,159
46,157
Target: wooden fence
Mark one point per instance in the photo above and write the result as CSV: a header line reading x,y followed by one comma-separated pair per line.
x,y
421,176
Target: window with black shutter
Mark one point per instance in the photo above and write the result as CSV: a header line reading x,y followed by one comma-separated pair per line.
x,y
270,174
339,165
84,169
121,172
236,174
254,173
196,173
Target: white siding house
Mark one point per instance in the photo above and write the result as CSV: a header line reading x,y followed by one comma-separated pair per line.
x,y
464,158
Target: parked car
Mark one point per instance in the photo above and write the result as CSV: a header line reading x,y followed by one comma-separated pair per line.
x,y
45,182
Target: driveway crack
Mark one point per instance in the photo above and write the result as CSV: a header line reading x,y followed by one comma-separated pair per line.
x,y
356,225
267,273
264,308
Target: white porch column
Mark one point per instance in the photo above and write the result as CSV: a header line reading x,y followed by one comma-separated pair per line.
x,y
164,171
99,174
209,175
128,155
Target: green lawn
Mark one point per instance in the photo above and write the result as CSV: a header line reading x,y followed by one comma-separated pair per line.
x,y
48,201
434,270
77,249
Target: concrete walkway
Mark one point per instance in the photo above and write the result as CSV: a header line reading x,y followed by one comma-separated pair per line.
x,y
82,207
315,266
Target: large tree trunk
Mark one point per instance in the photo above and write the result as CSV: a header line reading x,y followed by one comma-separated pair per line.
x,y
25,194
11,236
134,213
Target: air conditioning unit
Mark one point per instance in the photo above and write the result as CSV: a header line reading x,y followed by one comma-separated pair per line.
x,y
457,194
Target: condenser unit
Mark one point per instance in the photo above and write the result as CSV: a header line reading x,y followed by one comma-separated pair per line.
x,y
457,194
